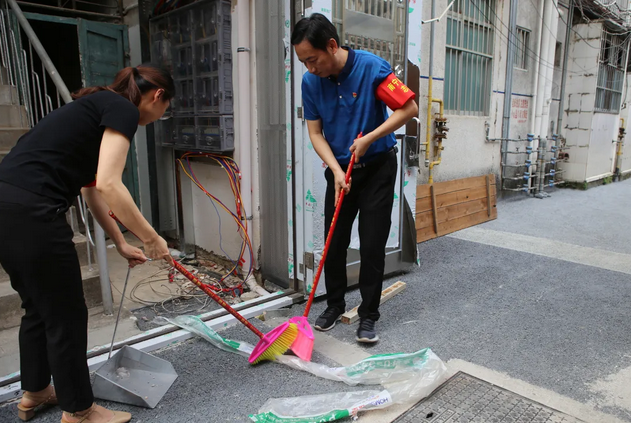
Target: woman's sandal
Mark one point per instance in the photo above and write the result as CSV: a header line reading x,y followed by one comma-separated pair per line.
x,y
118,416
27,413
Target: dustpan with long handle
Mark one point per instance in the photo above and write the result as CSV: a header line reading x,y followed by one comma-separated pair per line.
x,y
275,342
132,376
303,345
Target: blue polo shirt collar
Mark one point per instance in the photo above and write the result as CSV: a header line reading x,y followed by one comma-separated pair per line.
x,y
348,66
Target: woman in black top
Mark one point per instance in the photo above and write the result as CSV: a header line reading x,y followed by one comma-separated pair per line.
x,y
80,147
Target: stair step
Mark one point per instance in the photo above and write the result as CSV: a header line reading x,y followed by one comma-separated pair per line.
x,y
13,116
8,95
9,137
10,304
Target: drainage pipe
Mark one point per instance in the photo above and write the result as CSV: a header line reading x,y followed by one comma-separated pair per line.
x,y
553,25
543,64
510,63
535,84
566,51
244,151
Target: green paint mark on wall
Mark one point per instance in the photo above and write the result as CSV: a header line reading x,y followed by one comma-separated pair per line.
x,y
310,202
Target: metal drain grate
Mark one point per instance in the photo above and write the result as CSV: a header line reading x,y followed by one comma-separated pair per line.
x,y
464,398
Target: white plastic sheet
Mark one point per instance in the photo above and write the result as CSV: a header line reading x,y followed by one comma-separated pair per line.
x,y
405,378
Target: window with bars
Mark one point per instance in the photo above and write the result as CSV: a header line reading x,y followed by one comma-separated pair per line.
x,y
393,10
469,57
611,66
522,41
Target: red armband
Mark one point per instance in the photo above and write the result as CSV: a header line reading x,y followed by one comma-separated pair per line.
x,y
393,92
91,184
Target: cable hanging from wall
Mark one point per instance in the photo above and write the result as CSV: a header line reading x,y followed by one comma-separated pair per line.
x,y
239,216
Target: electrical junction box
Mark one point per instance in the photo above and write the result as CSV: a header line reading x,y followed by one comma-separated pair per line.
x,y
194,44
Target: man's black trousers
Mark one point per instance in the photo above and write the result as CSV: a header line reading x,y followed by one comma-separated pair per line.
x,y
372,196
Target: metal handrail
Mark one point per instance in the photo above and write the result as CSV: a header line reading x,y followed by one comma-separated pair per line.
x,y
33,95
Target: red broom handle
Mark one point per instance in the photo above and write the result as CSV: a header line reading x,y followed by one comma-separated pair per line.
x,y
329,236
206,289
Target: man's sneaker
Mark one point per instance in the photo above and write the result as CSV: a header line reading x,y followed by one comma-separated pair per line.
x,y
366,331
328,319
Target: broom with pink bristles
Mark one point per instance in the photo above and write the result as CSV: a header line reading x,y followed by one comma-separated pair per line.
x,y
303,344
276,342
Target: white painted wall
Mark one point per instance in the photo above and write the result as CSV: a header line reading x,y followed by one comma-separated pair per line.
x,y
466,152
592,155
580,98
207,220
601,147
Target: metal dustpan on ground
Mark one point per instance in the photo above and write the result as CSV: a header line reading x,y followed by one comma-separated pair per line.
x,y
134,377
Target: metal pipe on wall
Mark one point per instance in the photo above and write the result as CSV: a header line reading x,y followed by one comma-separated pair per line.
x,y
432,36
619,150
430,99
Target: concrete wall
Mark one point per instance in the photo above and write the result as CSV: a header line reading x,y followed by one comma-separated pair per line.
x,y
580,98
592,155
466,152
215,229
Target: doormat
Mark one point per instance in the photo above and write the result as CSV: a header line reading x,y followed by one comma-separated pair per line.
x,y
465,398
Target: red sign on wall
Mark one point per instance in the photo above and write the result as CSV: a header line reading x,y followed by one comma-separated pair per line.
x,y
519,110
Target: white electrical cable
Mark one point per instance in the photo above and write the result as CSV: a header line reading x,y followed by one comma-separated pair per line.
x,y
441,16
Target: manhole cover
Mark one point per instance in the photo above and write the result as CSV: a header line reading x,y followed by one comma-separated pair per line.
x,y
464,398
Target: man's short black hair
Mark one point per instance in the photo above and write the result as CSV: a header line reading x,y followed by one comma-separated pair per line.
x,y
316,29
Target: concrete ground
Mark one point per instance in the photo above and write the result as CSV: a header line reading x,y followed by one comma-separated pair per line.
x,y
538,302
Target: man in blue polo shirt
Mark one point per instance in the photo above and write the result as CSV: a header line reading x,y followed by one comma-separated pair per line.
x,y
344,94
